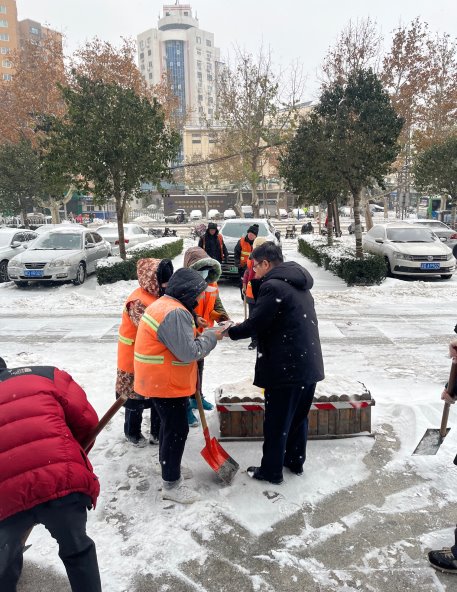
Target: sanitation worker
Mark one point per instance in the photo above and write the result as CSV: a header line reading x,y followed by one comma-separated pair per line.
x,y
208,310
289,360
213,243
242,251
249,282
153,276
45,475
167,348
445,559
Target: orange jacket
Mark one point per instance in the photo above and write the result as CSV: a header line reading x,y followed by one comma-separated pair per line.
x,y
206,305
158,373
128,330
246,250
250,274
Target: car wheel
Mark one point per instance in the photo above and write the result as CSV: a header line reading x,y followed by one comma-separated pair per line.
x,y
446,276
4,271
388,268
22,284
80,275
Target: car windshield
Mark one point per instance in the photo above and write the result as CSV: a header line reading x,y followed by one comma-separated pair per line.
x,y
239,229
58,241
5,239
410,235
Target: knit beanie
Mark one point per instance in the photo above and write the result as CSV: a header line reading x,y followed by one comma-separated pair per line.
x,y
212,226
254,229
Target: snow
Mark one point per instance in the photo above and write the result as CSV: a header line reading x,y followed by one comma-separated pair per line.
x,y
392,338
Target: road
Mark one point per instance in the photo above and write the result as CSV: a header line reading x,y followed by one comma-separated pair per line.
x,y
370,535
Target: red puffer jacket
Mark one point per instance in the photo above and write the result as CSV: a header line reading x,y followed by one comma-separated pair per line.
x,y
44,414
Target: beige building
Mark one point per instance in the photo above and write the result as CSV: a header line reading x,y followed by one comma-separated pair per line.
x,y
8,37
34,32
179,48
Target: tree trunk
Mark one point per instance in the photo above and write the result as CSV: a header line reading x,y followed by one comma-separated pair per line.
x,y
386,209
54,207
23,207
120,209
357,195
205,196
239,203
255,201
330,223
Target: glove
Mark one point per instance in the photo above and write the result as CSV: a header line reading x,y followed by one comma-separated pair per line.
x,y
218,317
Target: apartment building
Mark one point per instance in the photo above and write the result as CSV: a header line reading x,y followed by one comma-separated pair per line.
x,y
8,37
180,48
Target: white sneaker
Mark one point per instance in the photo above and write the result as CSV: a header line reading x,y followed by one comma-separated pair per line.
x,y
180,494
186,472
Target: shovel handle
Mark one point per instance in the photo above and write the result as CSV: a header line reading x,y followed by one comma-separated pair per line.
x,y
198,398
89,440
447,406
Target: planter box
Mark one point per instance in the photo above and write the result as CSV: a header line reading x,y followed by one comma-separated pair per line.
x,y
332,415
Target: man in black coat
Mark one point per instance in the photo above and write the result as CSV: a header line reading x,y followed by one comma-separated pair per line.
x,y
213,243
289,360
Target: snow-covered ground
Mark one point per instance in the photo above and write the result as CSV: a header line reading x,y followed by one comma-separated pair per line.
x,y
365,508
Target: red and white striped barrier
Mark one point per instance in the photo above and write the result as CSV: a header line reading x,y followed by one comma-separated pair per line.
x,y
323,406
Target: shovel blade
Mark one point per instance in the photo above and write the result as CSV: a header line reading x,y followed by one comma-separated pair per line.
x,y
430,443
219,460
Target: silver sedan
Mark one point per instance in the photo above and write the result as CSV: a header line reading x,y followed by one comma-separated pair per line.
x,y
62,255
12,241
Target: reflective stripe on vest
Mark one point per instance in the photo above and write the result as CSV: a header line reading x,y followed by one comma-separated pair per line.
x,y
246,250
127,330
158,373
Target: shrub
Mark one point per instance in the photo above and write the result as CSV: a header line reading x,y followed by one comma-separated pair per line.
x,y
369,271
126,270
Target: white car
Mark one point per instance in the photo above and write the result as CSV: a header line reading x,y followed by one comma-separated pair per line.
x,y
133,235
67,254
282,214
410,250
48,227
195,215
232,230
214,215
12,243
442,231
229,214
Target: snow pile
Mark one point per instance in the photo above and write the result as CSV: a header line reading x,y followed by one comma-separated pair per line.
x,y
153,244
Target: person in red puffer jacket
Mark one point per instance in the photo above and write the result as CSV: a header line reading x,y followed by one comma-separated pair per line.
x,y
46,477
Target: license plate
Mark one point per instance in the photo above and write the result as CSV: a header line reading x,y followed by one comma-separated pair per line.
x,y
430,265
33,273
234,270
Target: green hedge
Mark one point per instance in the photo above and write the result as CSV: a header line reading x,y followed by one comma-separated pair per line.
x,y
369,271
126,270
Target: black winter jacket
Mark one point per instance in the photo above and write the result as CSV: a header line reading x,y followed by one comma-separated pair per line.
x,y
284,319
210,244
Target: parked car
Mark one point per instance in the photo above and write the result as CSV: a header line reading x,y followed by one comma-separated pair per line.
x,y
229,214
248,212
178,217
133,235
48,227
195,215
282,214
214,215
442,231
12,243
232,230
410,250
67,254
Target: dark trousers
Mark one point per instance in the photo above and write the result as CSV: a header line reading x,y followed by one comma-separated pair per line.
x,y
65,518
174,428
134,416
251,308
285,429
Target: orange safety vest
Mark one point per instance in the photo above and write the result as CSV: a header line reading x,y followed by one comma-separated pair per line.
x,y
158,373
220,239
128,330
206,305
249,292
246,250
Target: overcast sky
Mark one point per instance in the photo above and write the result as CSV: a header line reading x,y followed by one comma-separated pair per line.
x,y
293,29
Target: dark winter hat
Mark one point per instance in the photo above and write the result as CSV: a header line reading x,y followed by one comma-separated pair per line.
x,y
185,285
2,363
164,271
254,229
212,226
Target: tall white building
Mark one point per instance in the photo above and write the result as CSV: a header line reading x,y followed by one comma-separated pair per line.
x,y
187,53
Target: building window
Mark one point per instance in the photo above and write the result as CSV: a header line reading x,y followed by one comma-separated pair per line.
x,y
142,55
186,14
199,76
210,111
150,75
150,65
34,31
148,41
210,77
178,64
149,52
175,66
4,50
4,24
199,52
2,9
199,65
196,141
7,64
208,42
210,100
199,40
168,14
7,77
4,37
200,98
209,55
141,44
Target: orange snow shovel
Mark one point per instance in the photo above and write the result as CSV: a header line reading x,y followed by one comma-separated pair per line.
x,y
217,458
432,439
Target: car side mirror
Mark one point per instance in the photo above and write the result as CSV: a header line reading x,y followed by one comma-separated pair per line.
x,y
443,239
15,244
278,235
90,246
379,241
